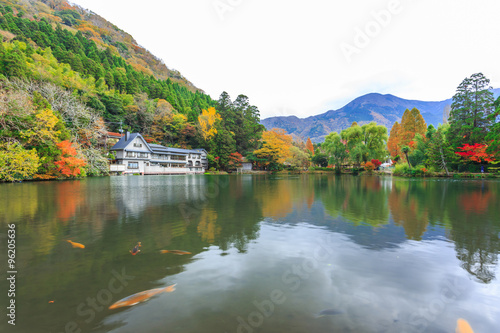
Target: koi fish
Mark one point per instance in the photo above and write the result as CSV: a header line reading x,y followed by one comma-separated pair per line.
x,y
463,326
76,245
135,250
141,297
179,252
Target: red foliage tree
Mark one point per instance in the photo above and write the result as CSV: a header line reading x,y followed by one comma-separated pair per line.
x,y
235,160
475,153
68,164
376,163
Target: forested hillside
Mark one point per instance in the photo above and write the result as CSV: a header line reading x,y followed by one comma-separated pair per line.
x,y
52,49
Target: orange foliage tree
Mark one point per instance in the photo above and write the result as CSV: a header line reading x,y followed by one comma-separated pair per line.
x,y
411,124
309,146
403,134
68,164
393,142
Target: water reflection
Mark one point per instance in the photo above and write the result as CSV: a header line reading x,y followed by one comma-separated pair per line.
x,y
244,233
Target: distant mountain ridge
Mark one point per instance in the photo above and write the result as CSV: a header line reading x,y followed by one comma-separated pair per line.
x,y
382,109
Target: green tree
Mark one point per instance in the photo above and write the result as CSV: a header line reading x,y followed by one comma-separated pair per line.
x,y
336,149
440,151
471,109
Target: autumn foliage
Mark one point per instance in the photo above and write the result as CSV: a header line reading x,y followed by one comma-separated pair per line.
x,y
475,153
69,165
207,121
235,160
309,146
412,123
369,166
275,146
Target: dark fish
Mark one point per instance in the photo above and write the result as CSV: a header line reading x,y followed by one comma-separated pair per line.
x,y
179,252
328,312
136,250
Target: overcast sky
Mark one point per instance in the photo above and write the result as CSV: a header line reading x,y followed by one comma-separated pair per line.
x,y
307,57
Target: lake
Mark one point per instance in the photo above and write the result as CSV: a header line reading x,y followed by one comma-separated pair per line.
x,y
284,253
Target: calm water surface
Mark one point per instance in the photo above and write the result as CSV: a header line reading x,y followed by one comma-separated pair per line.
x,y
269,254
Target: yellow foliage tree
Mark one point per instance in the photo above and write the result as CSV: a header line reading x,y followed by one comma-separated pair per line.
x,y
275,146
43,129
207,121
16,163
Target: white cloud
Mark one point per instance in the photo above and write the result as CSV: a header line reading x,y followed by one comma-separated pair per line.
x,y
286,55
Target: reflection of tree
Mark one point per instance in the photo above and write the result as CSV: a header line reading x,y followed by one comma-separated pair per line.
x,y
357,199
276,198
19,202
207,226
407,211
69,196
476,202
474,228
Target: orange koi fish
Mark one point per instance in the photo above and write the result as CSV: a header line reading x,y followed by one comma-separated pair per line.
x,y
179,252
136,250
141,297
76,245
463,326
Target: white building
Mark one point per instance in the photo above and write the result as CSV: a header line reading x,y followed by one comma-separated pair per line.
x,y
135,155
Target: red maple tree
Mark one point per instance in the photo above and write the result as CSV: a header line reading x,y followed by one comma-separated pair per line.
x,y
475,153
68,164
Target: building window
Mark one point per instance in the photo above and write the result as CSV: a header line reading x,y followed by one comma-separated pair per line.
x,y
130,154
133,165
178,158
138,145
143,155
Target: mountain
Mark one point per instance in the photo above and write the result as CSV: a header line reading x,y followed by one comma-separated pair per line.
x,y
382,109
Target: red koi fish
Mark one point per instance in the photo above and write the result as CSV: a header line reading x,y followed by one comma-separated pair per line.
x,y
179,252
136,250
76,245
463,326
141,297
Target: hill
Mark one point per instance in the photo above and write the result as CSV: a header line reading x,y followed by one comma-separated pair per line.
x,y
103,33
68,76
383,109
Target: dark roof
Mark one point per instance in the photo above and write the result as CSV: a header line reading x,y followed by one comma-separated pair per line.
x,y
122,143
163,149
155,148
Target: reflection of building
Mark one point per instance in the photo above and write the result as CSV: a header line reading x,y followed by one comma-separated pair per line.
x,y
135,155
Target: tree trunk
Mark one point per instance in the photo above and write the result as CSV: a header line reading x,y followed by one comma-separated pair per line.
x,y
443,161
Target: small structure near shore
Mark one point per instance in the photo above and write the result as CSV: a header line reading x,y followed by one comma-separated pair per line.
x,y
135,156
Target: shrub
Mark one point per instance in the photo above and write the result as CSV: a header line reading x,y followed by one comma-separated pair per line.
x,y
369,166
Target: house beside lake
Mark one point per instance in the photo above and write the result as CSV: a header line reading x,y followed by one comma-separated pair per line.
x,y
133,155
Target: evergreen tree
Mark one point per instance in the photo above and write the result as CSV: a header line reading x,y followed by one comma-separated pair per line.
x,y
470,111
